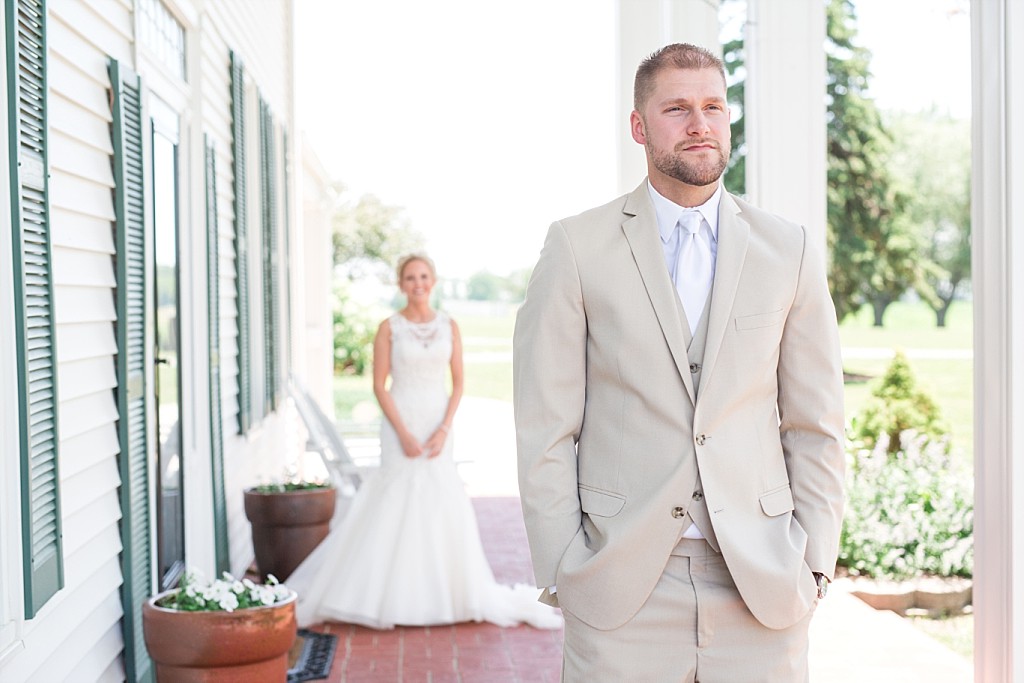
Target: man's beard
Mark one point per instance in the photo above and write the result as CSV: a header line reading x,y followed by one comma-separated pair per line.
x,y
699,173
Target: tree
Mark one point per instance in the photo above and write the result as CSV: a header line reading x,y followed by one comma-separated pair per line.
x,y
369,236
484,286
736,171
938,182
516,284
873,249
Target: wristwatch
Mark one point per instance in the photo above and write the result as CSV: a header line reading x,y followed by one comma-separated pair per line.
x,y
822,581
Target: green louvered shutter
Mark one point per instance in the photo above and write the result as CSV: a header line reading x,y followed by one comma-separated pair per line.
x,y
241,243
220,515
132,405
33,302
268,202
287,295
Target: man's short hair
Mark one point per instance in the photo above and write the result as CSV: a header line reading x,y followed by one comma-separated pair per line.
x,y
674,56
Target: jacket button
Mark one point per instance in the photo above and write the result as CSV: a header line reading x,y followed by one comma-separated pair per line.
x,y
694,368
701,439
678,512
698,496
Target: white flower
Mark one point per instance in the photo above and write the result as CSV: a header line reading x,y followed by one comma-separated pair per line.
x,y
229,602
264,594
226,593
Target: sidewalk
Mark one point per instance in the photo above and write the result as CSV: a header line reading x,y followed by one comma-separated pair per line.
x,y
850,642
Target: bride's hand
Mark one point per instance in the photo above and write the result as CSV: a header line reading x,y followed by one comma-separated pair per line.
x,y
435,443
411,446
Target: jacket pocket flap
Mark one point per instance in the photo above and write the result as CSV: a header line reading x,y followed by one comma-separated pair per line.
x,y
600,503
752,322
777,502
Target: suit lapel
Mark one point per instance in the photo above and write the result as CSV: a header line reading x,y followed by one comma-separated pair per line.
x,y
733,238
641,231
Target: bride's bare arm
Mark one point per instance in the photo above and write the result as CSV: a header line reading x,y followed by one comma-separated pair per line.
x,y
436,441
381,369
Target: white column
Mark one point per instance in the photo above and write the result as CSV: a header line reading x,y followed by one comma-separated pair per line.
x,y
997,219
314,360
785,110
643,27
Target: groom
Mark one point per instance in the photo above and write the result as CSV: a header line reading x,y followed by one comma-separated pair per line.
x,y
679,412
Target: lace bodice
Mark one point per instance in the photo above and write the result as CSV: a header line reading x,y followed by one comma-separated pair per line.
x,y
420,352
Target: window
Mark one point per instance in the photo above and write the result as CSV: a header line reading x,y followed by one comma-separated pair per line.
x,y
163,34
170,513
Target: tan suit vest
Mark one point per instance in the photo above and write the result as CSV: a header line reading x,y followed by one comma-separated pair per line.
x,y
697,511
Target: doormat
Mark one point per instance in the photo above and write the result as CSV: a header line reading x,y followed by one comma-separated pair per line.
x,y
311,656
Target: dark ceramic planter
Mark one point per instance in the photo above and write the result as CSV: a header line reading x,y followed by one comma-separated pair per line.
x,y
245,646
287,526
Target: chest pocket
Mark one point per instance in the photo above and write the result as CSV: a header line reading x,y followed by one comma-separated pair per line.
x,y
753,322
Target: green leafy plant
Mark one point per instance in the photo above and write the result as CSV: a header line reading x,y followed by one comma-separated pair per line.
x,y
908,513
897,405
294,485
354,328
226,594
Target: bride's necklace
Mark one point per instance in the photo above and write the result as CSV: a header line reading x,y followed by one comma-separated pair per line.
x,y
424,332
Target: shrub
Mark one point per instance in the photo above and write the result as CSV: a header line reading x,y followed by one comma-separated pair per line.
x,y
909,513
354,328
897,405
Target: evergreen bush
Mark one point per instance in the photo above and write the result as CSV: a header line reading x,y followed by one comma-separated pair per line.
x,y
896,406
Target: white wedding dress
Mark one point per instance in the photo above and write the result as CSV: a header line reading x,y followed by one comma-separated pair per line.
x,y
407,551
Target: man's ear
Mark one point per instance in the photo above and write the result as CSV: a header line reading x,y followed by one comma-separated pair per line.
x,y
636,128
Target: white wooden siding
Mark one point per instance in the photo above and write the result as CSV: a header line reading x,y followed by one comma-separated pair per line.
x,y
88,232
52,636
77,635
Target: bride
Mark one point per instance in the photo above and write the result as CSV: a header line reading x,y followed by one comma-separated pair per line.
x,y
408,551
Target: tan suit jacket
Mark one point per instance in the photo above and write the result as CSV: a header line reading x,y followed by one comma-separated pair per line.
x,y
610,433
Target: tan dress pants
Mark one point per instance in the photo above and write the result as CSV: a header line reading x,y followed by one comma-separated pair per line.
x,y
694,628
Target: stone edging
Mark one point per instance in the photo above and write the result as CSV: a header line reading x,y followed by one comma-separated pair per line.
x,y
933,596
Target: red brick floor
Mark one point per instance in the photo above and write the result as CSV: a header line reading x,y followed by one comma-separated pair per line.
x,y
463,653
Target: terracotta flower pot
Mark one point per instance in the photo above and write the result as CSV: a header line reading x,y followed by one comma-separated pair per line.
x,y
245,646
286,526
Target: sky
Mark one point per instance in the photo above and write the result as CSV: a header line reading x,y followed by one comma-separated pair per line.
x,y
486,121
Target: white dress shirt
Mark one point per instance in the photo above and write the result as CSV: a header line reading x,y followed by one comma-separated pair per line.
x,y
668,213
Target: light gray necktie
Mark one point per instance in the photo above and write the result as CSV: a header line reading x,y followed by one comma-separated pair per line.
x,y
694,270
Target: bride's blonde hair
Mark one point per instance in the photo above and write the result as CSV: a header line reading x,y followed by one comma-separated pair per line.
x,y
414,256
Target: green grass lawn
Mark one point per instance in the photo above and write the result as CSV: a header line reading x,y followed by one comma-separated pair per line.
x,y
910,325
955,632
